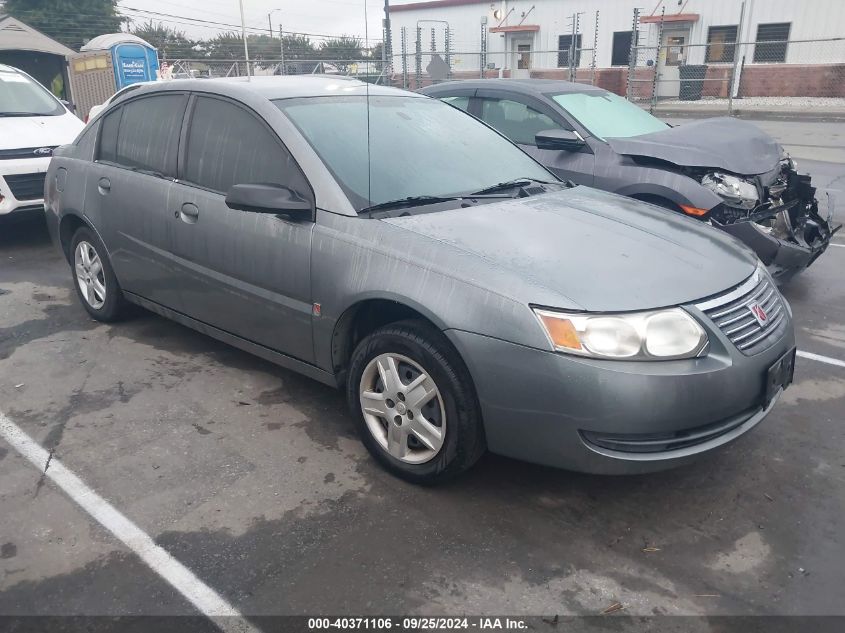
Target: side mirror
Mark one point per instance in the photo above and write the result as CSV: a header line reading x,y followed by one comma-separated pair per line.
x,y
265,198
568,140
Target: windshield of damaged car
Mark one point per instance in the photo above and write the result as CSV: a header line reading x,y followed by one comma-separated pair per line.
x,y
607,115
418,147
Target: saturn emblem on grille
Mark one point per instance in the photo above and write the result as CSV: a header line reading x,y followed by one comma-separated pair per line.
x,y
43,151
759,314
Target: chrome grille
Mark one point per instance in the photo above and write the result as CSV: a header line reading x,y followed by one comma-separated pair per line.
x,y
733,313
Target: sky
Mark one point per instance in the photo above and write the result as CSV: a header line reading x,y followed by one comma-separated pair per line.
x,y
321,17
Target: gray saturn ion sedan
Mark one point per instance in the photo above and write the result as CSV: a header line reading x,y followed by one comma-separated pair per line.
x,y
392,246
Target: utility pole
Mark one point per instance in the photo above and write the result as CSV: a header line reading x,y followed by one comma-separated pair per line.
x,y
243,34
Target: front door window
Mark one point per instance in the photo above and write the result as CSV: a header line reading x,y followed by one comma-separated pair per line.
x,y
675,50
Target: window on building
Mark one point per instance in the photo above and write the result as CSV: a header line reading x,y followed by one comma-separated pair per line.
x,y
771,42
149,133
564,48
721,44
519,122
621,48
229,146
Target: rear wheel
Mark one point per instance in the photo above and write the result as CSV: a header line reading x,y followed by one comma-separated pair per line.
x,y
94,278
414,403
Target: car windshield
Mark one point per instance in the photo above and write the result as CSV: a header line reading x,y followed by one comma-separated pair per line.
x,y
607,115
21,96
418,147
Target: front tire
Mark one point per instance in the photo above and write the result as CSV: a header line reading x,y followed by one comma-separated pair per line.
x,y
93,277
414,403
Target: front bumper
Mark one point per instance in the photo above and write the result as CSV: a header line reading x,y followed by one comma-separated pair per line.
x,y
798,232
548,408
17,177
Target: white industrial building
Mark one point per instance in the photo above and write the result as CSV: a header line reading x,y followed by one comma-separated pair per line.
x,y
534,38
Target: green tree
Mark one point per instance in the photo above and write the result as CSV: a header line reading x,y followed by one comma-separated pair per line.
x,y
171,44
341,51
299,47
71,22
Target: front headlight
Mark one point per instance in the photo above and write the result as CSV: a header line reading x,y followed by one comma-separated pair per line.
x,y
735,192
655,335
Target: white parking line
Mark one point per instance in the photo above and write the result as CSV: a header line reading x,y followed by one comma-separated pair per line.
x,y
837,245
203,597
820,358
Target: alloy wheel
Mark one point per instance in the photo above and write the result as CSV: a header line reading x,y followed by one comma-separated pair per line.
x,y
90,275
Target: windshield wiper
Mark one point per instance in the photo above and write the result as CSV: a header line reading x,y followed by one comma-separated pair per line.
x,y
22,114
410,201
516,182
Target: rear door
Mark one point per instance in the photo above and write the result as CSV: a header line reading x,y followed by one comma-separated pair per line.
x,y
128,187
520,118
246,273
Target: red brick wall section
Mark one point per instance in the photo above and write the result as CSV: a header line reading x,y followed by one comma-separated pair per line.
x,y
717,81
793,80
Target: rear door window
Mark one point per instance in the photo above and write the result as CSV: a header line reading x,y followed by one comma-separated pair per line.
x,y
108,136
227,145
148,139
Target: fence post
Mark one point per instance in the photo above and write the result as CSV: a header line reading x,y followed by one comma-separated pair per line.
x,y
418,60
404,49
572,48
482,62
734,85
448,52
632,55
595,48
656,63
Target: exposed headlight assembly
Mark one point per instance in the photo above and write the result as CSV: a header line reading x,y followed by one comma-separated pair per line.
x,y
655,335
735,192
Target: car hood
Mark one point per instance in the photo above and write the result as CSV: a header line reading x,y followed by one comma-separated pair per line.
x,y
586,249
38,131
723,143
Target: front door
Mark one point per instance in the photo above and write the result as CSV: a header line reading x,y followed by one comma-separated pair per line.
x,y
673,52
243,272
521,61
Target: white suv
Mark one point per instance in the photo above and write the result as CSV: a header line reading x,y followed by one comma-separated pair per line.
x,y
32,123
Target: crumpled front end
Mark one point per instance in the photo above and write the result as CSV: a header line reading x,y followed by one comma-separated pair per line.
x,y
787,229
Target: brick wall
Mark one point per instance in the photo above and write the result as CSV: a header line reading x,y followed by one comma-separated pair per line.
x,y
793,80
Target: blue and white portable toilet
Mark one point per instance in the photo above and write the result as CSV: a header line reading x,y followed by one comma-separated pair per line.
x,y
133,59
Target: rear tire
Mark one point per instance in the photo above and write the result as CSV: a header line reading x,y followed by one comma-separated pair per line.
x,y
93,277
391,372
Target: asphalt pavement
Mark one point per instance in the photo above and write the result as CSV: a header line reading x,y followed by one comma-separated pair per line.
x,y
251,478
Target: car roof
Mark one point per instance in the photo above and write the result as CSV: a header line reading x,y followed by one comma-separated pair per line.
x,y
524,86
279,87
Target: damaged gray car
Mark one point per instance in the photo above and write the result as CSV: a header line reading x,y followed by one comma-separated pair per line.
x,y
723,171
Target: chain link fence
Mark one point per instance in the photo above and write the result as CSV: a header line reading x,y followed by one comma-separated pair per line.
x,y
657,65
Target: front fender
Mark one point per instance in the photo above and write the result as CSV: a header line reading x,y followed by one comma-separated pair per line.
x,y
677,188
348,268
